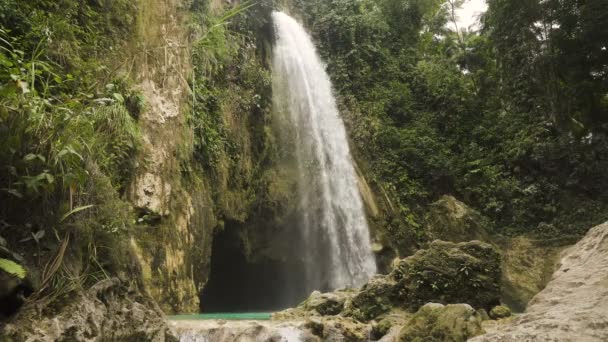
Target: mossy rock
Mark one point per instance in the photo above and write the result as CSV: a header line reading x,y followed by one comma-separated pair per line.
x,y
438,323
375,298
448,273
499,312
449,219
381,328
326,304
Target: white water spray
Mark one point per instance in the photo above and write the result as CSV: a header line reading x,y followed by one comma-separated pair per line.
x,y
335,244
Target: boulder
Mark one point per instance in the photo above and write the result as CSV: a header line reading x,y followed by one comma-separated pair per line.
x,y
449,273
318,304
436,322
449,219
499,312
326,304
373,299
445,273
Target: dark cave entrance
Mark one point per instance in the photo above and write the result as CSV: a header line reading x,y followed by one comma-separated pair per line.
x,y
240,284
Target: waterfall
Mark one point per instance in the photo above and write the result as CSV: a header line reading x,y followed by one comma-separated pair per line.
x,y
333,236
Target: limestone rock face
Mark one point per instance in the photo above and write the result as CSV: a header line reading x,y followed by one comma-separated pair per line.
x,y
527,266
436,322
449,219
108,311
573,305
179,240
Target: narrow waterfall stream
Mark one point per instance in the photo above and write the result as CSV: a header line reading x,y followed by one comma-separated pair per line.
x,y
334,236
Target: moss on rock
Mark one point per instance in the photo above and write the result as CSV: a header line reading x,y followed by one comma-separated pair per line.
x,y
326,304
500,311
449,219
375,298
444,273
450,273
436,322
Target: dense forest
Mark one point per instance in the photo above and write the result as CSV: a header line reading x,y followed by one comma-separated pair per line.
x,y
509,117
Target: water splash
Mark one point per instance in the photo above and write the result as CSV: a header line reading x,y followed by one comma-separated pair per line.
x,y
335,244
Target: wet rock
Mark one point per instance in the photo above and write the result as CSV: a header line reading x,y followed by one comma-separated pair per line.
x,y
108,311
573,305
499,312
449,219
436,322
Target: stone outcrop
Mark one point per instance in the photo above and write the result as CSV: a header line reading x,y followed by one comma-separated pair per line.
x,y
177,240
108,311
573,305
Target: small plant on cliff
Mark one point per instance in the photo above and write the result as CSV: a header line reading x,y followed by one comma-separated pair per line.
x,y
12,268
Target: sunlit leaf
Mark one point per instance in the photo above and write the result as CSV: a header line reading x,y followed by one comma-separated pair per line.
x,y
12,268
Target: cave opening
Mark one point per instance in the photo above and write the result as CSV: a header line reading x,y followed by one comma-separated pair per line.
x,y
241,283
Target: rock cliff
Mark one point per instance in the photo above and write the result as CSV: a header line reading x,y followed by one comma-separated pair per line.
x,y
573,306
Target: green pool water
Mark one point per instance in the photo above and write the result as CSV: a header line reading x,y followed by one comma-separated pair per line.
x,y
229,316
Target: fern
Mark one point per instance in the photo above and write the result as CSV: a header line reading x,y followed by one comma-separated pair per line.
x,y
12,268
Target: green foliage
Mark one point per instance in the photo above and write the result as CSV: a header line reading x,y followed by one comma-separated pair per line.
x,y
510,119
12,268
231,101
68,130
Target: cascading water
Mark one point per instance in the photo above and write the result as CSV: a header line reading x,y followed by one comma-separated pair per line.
x,y
334,242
